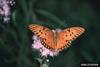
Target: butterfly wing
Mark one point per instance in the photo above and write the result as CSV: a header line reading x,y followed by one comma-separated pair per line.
x,y
45,34
66,36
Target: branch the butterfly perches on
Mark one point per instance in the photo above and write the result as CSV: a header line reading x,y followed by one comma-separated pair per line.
x,y
58,40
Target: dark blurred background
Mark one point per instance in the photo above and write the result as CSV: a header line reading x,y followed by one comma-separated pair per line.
x,y
16,38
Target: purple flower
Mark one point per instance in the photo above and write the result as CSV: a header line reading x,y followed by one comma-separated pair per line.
x,y
44,51
5,9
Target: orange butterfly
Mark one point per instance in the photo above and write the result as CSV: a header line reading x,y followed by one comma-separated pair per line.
x,y
56,41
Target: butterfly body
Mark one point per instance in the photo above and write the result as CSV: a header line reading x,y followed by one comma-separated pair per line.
x,y
56,40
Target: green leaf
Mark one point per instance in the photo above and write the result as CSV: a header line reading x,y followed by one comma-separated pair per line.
x,y
45,65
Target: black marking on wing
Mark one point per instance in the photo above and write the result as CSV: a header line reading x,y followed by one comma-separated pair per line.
x,y
45,45
66,46
68,30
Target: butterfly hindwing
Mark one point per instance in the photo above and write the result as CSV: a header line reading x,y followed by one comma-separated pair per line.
x,y
45,34
66,36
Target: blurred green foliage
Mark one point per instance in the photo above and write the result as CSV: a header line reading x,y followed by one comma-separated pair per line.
x,y
16,39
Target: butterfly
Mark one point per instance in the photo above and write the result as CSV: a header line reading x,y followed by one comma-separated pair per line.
x,y
56,41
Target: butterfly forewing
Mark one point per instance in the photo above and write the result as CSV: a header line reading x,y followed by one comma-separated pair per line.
x,y
66,36
73,32
45,34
